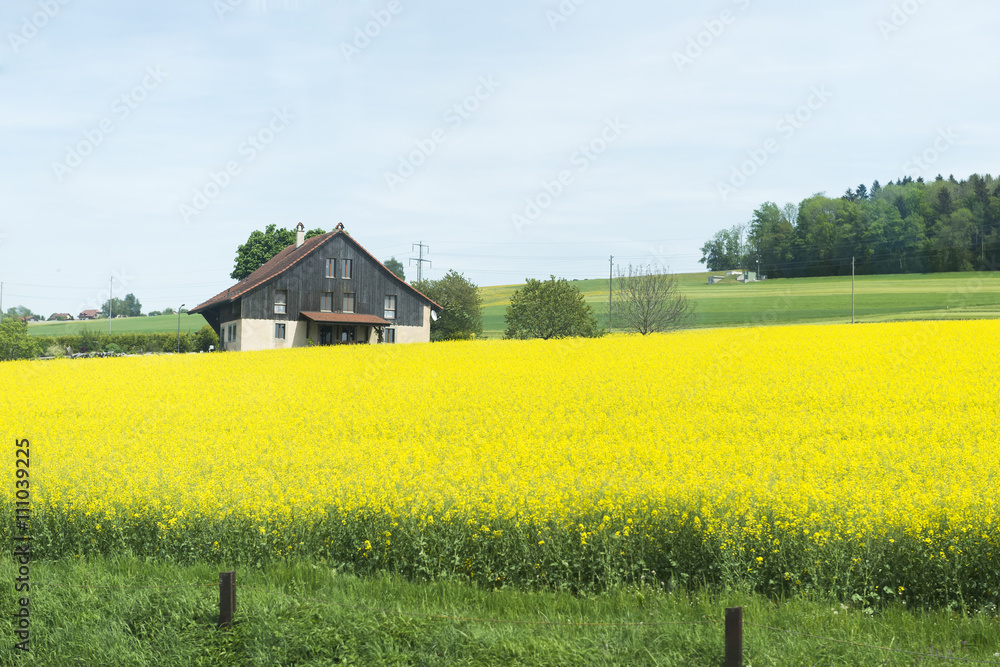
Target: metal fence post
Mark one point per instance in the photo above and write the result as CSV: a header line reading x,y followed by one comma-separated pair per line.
x,y
227,599
734,637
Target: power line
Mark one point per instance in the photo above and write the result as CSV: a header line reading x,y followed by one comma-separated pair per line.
x,y
421,260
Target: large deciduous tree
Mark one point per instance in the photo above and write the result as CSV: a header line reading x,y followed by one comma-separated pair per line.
x,y
127,307
549,309
726,250
462,314
261,246
132,306
648,300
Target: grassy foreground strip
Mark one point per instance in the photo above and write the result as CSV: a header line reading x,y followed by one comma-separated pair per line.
x,y
125,611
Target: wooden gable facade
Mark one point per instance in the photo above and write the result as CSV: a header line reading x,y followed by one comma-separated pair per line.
x,y
324,290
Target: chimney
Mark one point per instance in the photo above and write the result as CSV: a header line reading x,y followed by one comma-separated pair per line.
x,y
300,235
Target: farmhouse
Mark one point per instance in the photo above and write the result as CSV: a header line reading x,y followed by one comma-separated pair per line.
x,y
54,317
91,314
325,290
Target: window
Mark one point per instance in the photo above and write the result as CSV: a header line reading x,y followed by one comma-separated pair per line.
x,y
346,270
326,302
279,330
232,333
390,307
348,302
280,299
390,335
331,268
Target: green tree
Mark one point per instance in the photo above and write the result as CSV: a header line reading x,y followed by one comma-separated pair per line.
x,y
770,238
18,312
114,306
726,250
206,337
15,343
462,314
396,267
261,246
132,306
549,309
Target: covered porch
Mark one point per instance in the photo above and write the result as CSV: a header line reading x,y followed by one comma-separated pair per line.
x,y
344,328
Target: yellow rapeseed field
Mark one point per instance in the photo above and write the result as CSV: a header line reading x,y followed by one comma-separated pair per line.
x,y
860,460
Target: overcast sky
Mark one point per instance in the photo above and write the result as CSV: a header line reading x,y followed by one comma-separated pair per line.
x,y
143,141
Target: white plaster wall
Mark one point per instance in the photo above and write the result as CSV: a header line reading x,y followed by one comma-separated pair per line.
x,y
421,334
259,335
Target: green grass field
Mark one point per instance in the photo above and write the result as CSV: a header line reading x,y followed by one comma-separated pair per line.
x,y
726,304
130,611
155,324
802,300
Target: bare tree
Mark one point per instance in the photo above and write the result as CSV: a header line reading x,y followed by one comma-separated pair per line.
x,y
648,300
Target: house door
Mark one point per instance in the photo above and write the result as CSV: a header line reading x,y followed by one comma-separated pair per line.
x,y
326,335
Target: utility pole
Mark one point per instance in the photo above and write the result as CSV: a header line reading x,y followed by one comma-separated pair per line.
x,y
852,290
1,301
611,268
111,301
420,262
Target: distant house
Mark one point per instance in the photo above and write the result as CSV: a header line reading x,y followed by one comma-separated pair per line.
x,y
54,317
29,318
91,314
325,290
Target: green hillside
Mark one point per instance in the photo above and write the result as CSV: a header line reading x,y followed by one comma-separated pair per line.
x,y
796,300
122,325
726,304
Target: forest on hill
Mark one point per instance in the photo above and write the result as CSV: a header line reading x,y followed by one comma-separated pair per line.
x,y
909,226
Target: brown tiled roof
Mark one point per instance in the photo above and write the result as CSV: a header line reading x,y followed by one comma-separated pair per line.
x,y
345,318
283,261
